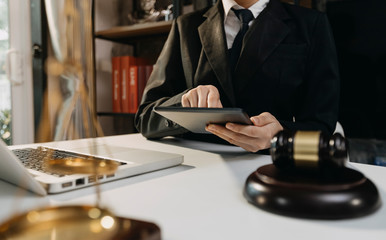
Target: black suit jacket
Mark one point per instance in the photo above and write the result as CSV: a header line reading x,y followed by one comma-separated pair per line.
x,y
288,67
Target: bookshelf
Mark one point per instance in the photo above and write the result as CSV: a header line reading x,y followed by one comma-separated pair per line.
x,y
143,40
133,33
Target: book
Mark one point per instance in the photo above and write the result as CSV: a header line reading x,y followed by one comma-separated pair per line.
x,y
116,84
126,63
142,82
129,78
138,79
133,89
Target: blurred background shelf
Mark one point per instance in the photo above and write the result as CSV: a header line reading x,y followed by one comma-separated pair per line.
x,y
133,33
112,114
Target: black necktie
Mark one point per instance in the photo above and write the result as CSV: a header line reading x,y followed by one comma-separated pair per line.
x,y
245,17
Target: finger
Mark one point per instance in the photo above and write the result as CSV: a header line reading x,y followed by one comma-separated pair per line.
x,y
263,119
248,130
224,133
248,143
214,98
259,137
192,98
185,101
202,93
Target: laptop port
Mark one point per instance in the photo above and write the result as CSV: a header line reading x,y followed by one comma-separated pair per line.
x,y
67,184
110,175
100,177
79,182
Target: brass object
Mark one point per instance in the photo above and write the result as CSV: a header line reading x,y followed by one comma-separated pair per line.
x,y
68,110
308,179
68,222
81,165
306,148
70,114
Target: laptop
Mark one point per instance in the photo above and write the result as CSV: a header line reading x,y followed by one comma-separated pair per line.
x,y
25,171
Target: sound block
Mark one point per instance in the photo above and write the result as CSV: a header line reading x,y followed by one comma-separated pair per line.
x,y
310,194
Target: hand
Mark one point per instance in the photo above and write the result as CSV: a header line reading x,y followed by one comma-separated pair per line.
x,y
206,96
250,137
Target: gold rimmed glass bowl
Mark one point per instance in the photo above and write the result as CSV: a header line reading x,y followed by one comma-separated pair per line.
x,y
81,165
67,222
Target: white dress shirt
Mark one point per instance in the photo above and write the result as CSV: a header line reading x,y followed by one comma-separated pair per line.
x,y
232,24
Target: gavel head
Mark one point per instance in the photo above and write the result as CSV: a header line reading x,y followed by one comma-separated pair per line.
x,y
308,149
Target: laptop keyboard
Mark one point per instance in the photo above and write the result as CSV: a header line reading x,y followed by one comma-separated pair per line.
x,y
33,158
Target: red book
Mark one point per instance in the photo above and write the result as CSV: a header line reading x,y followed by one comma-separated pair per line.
x,y
133,90
116,84
142,82
126,62
141,61
149,69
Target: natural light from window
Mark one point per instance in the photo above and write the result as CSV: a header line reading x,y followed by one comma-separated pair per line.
x,y
5,88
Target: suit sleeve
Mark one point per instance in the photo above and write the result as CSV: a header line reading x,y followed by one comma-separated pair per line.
x,y
165,87
320,103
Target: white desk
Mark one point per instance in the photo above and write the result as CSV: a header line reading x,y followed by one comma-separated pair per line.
x,y
202,199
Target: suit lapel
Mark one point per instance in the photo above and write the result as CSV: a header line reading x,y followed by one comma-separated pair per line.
x,y
213,41
264,36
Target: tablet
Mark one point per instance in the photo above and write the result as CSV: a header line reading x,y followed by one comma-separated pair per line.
x,y
196,119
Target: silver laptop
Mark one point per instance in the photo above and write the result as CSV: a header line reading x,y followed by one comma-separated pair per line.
x,y
26,172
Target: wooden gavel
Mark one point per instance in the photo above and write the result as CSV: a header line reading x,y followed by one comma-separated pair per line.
x,y
308,149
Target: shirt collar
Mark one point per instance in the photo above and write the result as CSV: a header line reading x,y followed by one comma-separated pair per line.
x,y
256,8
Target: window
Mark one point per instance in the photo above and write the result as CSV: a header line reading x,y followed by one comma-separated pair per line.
x,y
16,111
5,86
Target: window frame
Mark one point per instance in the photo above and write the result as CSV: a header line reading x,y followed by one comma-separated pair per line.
x,y
21,94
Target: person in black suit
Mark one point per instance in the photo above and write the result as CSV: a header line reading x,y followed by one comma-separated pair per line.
x,y
286,76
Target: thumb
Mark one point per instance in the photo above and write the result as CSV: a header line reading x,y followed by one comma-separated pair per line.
x,y
262,119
